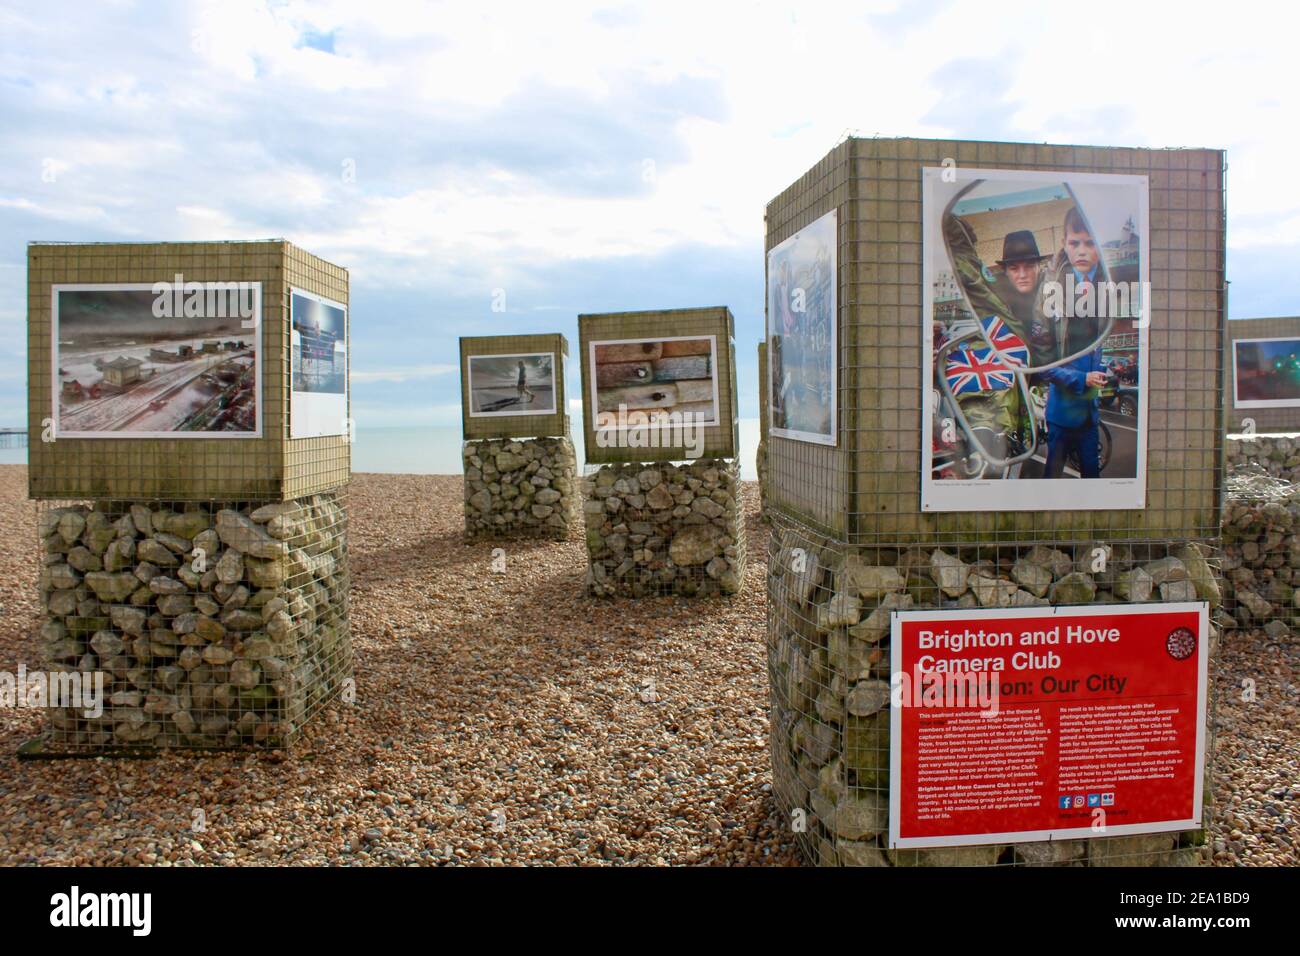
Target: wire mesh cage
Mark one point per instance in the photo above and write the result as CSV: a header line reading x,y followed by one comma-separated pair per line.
x,y
664,528
1263,381
513,386
523,488
851,247
865,484
829,623
197,408
1261,547
205,625
659,385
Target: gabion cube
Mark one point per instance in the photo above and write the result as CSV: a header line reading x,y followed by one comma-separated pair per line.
x,y
524,488
829,669
660,528
1261,547
214,624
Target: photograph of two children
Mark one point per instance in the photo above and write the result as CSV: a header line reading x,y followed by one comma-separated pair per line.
x,y
1037,302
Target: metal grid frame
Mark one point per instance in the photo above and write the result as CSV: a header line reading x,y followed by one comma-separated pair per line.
x,y
829,660
515,426
273,467
214,625
860,500
867,489
506,516
1266,420
721,440
659,528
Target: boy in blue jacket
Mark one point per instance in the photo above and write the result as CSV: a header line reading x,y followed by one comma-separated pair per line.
x,y
1073,415
1073,397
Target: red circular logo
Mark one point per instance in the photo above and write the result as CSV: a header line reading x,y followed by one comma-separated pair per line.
x,y
1181,643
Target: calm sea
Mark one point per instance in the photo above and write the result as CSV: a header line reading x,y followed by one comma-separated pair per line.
x,y
436,450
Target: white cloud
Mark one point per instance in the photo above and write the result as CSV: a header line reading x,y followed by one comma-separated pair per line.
x,y
499,145
60,211
423,64
1281,233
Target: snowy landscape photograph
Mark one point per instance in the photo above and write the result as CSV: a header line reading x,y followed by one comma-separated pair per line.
x,y
120,371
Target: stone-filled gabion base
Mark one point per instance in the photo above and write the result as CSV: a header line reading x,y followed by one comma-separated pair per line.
x,y
661,528
829,667
520,488
1261,532
215,624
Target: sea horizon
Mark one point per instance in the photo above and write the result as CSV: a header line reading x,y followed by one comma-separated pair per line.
x,y
436,450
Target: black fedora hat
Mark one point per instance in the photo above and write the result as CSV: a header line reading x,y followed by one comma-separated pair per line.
x,y
1019,246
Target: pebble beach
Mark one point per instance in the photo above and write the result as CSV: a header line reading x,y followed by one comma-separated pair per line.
x,y
506,718
500,718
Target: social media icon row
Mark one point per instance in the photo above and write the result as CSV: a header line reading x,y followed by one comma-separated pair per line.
x,y
1078,801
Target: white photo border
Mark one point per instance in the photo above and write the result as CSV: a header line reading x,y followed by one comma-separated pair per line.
x,y
1265,402
815,438
1005,495
713,373
347,361
259,387
469,385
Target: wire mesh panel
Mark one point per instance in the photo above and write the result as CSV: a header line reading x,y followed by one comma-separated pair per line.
x,y
1261,546
851,511
525,489
213,624
127,374
812,481
513,386
664,528
867,486
829,622
658,385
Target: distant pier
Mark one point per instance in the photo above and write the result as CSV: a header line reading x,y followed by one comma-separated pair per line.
x,y
13,437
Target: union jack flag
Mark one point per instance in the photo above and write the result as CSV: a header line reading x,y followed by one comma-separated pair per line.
x,y
977,370
1007,342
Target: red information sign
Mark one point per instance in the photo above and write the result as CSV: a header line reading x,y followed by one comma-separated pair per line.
x,y
1011,725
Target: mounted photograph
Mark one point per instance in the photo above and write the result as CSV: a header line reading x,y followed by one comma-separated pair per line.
x,y
128,365
1035,291
649,381
522,384
801,335
319,365
1266,373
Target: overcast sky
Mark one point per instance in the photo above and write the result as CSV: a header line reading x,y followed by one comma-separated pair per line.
x,y
580,158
